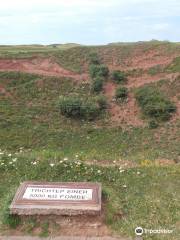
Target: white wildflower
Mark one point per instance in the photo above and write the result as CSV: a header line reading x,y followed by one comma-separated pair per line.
x,y
9,155
14,159
99,171
52,164
65,159
124,186
33,163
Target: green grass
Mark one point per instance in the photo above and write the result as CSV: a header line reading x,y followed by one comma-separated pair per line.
x,y
174,66
155,70
76,57
31,118
34,135
144,196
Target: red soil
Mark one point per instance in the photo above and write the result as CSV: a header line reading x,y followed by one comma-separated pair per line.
x,y
39,66
126,113
148,60
134,82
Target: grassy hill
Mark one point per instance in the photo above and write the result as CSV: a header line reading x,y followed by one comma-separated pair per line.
x,y
137,164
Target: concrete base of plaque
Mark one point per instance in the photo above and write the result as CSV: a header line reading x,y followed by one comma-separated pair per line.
x,y
40,198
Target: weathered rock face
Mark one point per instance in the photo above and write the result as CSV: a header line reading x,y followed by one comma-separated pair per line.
x,y
45,198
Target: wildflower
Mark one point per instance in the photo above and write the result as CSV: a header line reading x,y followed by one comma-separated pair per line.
x,y
76,155
138,173
99,171
124,186
122,170
65,159
2,163
33,163
1,153
9,155
52,164
14,159
10,163
114,161
61,161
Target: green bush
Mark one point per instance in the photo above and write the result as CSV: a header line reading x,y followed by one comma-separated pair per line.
x,y
153,124
102,102
98,71
119,76
93,58
97,84
76,107
154,104
121,93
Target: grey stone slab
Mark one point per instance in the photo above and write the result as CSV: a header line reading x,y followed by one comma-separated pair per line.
x,y
47,198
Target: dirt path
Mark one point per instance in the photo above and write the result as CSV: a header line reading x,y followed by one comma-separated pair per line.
x,y
41,66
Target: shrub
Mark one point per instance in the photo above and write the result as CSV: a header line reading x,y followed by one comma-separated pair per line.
x,y
121,93
153,124
98,71
93,58
97,84
102,102
76,107
154,104
70,106
119,77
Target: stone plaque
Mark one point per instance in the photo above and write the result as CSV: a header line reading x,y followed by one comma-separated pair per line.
x,y
57,198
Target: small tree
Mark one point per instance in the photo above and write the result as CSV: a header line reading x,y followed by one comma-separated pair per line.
x,y
97,84
75,107
119,77
154,104
93,58
98,71
102,102
121,93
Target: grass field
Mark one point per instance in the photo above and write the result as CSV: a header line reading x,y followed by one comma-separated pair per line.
x,y
38,143
143,196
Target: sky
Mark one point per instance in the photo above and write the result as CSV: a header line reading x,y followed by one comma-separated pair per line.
x,y
89,22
